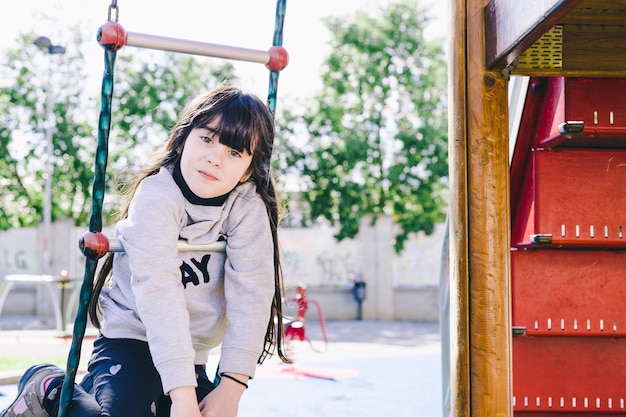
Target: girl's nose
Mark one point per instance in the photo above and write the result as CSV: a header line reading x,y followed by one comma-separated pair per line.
x,y
216,155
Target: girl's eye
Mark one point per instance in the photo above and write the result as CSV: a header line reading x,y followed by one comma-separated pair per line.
x,y
235,153
207,139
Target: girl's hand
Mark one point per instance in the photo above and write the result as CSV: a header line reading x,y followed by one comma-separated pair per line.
x,y
223,401
184,402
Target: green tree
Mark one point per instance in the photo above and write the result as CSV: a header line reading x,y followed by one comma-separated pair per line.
x,y
376,135
32,80
149,90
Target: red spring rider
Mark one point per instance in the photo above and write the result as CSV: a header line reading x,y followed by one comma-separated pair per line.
x,y
295,330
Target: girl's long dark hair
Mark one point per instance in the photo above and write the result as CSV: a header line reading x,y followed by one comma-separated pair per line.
x,y
245,123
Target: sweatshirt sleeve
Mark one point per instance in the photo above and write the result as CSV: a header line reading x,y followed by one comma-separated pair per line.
x,y
149,235
248,284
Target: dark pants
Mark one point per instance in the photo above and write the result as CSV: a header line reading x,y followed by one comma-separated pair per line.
x,y
123,382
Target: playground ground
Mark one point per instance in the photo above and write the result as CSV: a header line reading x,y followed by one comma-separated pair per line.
x,y
367,369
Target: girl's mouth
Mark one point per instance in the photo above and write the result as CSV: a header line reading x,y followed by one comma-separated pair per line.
x,y
207,176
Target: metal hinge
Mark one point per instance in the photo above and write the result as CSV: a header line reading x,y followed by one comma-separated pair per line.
x,y
541,239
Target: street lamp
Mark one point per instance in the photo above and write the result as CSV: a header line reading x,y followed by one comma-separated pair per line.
x,y
46,45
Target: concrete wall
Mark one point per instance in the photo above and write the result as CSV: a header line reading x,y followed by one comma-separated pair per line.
x,y
398,287
418,304
403,287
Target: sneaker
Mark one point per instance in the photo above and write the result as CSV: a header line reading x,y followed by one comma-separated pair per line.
x,y
31,392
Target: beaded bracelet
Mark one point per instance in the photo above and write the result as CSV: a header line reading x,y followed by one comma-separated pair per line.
x,y
223,375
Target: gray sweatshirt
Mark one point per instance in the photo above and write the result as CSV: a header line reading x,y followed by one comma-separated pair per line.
x,y
183,304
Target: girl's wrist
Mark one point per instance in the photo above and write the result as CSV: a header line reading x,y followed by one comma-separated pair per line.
x,y
183,394
237,379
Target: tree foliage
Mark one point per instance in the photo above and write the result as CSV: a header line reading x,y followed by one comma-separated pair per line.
x,y
32,81
375,139
149,91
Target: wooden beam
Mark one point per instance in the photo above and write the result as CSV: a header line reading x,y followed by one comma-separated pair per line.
x,y
459,340
511,26
582,50
480,323
597,12
594,47
488,222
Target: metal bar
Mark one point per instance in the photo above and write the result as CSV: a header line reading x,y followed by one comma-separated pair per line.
x,y
196,48
116,246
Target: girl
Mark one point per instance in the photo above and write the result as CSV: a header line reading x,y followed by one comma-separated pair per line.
x,y
160,311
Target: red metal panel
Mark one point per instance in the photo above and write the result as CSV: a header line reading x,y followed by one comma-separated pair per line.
x,y
540,106
559,414
596,102
569,374
580,196
562,414
571,195
560,292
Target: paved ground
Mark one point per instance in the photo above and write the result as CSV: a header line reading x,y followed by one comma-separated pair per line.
x,y
368,368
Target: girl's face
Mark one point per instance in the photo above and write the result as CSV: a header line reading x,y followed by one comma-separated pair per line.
x,y
210,168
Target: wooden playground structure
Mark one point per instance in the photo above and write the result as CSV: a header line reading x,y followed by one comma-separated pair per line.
x,y
535,245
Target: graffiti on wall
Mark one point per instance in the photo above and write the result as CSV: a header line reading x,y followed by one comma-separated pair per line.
x,y
11,259
336,268
19,252
326,269
293,266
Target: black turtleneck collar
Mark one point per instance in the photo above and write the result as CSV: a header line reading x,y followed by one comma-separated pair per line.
x,y
190,196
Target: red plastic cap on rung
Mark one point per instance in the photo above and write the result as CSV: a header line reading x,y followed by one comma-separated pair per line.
x,y
279,58
111,36
94,245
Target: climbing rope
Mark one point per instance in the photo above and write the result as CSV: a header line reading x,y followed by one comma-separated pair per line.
x,y
94,244
277,41
95,227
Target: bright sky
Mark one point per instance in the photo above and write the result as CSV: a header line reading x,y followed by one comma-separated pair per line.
x,y
242,23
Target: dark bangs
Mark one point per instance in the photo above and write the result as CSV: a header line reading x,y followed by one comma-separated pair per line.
x,y
238,128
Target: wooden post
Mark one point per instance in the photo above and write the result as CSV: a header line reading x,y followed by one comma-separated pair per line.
x,y
457,160
479,223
